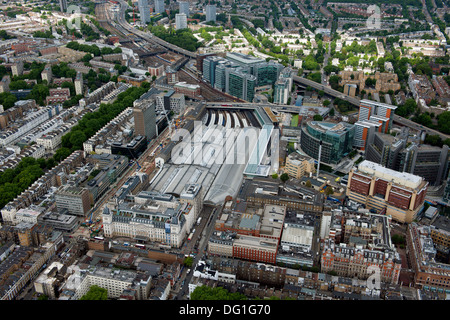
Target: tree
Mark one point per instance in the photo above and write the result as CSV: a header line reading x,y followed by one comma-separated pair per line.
x,y
284,177
329,190
95,293
275,176
217,293
188,261
308,184
444,122
317,117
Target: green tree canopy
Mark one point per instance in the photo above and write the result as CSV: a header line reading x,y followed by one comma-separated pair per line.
x,y
217,293
95,293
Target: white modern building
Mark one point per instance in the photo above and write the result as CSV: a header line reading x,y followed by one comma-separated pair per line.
x,y
210,13
184,7
144,11
180,21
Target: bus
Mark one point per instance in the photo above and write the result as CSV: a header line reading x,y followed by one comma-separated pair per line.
x,y
199,220
190,236
99,238
140,246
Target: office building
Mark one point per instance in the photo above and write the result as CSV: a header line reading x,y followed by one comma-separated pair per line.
x,y
144,11
385,149
426,161
209,68
398,194
76,200
184,7
281,94
337,140
267,73
220,73
247,62
180,21
211,12
298,166
111,166
240,84
145,119
132,149
159,6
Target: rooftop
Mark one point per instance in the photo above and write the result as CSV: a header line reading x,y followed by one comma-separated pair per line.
x,y
402,178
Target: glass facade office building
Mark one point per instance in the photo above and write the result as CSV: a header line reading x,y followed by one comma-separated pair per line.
x,y
337,140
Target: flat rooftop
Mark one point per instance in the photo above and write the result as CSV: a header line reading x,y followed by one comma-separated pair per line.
x,y
402,178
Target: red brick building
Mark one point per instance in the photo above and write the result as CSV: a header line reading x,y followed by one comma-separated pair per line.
x,y
401,194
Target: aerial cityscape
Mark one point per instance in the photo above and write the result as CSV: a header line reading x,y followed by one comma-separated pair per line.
x,y
224,150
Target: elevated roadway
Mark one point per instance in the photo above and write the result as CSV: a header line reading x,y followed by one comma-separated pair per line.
x,y
149,36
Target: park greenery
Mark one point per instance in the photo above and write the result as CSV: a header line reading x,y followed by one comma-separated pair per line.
x,y
183,38
95,293
217,293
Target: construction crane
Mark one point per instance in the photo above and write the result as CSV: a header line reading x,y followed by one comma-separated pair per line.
x,y
169,122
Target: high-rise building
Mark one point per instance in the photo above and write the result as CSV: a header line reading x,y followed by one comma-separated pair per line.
x,y
211,12
364,133
47,74
159,6
281,94
245,61
145,119
399,194
180,21
379,112
144,10
429,162
219,74
79,83
184,7
209,68
337,140
267,73
373,116
426,161
240,84
17,68
63,5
